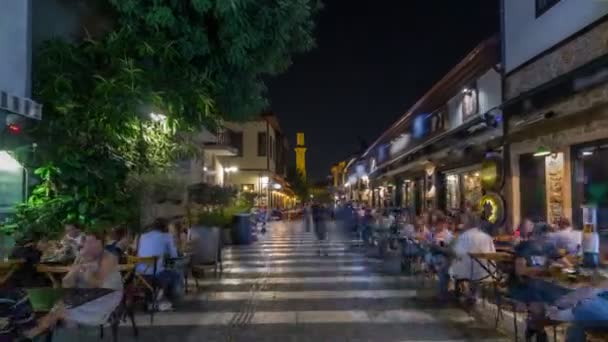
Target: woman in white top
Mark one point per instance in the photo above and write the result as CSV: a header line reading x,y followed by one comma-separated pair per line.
x,y
95,268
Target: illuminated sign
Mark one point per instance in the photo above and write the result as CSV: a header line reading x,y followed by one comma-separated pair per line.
x,y
420,126
493,208
400,144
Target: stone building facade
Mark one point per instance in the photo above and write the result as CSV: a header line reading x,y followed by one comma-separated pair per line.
x,y
558,102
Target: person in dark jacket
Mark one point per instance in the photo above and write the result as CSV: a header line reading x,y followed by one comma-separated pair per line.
x,y
318,217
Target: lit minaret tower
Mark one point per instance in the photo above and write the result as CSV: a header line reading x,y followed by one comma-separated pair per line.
x,y
301,154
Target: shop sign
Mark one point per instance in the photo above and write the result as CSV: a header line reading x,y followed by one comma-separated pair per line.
x,y
383,152
400,144
492,173
360,170
372,165
420,126
470,101
429,124
554,168
493,208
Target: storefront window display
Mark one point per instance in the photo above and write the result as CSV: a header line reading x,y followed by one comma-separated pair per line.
x,y
453,192
472,189
463,189
590,183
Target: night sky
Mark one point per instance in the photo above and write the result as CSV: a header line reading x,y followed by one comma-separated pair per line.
x,y
373,60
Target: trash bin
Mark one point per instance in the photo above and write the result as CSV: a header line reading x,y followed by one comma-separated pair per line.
x,y
241,230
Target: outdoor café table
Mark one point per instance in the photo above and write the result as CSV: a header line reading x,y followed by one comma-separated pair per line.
x,y
493,259
55,273
7,268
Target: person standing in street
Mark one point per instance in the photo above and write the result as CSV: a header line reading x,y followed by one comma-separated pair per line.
x,y
307,216
318,216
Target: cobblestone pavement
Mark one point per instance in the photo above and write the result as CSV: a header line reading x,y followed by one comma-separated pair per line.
x,y
281,289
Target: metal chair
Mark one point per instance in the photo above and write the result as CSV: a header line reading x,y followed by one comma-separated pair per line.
x,y
144,284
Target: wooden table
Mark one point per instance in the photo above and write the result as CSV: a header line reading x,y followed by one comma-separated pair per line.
x,y
8,268
493,259
55,273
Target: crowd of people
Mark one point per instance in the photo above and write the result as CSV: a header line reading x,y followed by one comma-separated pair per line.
x,y
443,243
94,259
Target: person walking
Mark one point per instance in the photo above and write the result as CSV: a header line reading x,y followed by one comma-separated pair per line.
x,y
318,216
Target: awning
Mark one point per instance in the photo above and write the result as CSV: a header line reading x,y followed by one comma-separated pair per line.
x,y
20,105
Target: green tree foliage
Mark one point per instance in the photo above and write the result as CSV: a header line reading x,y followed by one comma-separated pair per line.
x,y
197,62
298,183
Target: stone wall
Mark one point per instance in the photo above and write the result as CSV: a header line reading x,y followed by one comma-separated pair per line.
x,y
574,54
585,101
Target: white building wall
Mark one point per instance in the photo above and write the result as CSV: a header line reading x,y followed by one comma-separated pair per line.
x,y
15,47
526,36
489,96
250,158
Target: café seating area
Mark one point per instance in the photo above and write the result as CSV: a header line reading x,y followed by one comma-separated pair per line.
x,y
415,246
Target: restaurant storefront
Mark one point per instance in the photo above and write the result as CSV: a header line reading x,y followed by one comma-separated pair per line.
x,y
463,188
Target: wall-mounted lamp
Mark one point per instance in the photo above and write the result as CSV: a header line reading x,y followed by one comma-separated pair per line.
x,y
542,151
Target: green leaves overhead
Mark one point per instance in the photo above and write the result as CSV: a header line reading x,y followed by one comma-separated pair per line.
x,y
196,62
233,43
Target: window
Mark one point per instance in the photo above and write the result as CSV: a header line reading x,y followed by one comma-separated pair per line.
x,y
543,6
247,188
262,144
271,142
236,138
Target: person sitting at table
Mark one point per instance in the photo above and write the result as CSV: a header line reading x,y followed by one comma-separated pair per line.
x,y
566,237
532,258
17,320
119,242
73,238
471,240
441,253
585,308
70,244
95,268
157,242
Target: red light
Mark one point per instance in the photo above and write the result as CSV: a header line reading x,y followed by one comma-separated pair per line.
x,y
14,128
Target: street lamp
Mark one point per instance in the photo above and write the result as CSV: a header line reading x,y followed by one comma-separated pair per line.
x,y
156,117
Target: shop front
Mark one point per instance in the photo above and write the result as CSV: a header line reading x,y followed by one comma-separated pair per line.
x,y
590,182
562,172
463,188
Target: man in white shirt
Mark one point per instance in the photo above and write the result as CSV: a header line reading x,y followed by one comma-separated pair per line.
x,y
473,240
567,237
157,242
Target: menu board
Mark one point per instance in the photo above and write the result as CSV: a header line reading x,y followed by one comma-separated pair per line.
x,y
554,168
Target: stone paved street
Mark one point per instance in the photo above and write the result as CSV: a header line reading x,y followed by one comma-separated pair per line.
x,y
280,289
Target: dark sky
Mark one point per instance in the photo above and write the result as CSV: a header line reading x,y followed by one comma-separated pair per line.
x,y
373,60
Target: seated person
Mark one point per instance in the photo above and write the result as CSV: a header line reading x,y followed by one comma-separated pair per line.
x,y
95,268
119,242
566,237
17,320
471,240
441,254
585,308
70,245
26,275
157,242
532,258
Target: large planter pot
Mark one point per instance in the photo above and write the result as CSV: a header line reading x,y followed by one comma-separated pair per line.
x,y
207,242
241,230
